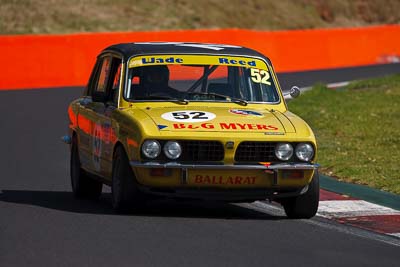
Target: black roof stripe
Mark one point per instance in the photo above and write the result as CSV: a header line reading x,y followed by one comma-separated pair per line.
x,y
148,48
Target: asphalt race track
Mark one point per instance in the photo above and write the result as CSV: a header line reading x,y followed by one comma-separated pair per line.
x,y
309,78
41,224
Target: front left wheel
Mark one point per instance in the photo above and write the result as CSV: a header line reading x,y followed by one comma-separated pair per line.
x,y
126,196
304,206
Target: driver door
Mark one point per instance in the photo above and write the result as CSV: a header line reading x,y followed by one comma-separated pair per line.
x,y
101,109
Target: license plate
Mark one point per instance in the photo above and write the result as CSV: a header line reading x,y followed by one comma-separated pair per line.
x,y
220,178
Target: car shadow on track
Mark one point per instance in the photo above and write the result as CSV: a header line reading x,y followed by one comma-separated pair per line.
x,y
65,201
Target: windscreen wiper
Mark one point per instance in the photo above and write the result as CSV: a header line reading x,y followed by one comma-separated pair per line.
x,y
239,101
165,97
232,99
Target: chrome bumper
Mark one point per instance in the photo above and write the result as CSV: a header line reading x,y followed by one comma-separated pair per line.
x,y
175,165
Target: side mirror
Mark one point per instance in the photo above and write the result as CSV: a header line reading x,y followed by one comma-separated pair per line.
x,y
293,93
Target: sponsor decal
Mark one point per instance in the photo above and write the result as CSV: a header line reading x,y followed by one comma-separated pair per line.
x,y
192,126
106,131
274,133
154,60
260,76
224,180
102,135
227,126
247,126
245,112
230,61
188,116
258,68
97,144
160,127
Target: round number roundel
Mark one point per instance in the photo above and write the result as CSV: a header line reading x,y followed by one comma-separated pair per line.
x,y
188,116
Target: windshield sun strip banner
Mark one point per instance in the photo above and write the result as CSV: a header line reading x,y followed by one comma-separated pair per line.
x,y
197,60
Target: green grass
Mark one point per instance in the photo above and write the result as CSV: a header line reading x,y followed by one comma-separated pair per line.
x,y
357,130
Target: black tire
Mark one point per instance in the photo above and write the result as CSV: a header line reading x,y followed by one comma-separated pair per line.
x,y
126,197
304,206
82,185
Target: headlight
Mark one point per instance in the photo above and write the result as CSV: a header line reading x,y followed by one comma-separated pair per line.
x,y
304,151
172,150
284,151
151,149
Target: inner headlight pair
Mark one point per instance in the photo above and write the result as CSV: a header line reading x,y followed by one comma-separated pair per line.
x,y
304,151
152,149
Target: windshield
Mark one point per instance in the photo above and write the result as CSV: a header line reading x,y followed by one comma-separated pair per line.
x,y
200,78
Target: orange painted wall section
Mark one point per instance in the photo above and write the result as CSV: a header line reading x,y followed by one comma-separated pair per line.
x,y
38,61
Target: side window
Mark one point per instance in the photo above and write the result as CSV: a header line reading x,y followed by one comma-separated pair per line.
x,y
104,75
93,78
104,84
116,80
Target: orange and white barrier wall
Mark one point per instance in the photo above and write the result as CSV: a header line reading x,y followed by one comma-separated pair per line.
x,y
38,61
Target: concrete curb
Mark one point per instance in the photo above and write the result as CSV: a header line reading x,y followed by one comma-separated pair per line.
x,y
361,192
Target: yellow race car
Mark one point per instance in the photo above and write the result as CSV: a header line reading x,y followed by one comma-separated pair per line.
x,y
190,120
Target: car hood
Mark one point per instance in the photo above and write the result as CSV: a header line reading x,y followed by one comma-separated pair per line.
x,y
219,119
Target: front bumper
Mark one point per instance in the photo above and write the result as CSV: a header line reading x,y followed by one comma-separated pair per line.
x,y
273,167
272,186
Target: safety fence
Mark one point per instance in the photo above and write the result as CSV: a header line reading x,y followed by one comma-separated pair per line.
x,y
39,61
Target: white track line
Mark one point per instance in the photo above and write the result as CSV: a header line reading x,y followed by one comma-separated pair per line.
x,y
337,85
275,210
395,234
352,208
328,85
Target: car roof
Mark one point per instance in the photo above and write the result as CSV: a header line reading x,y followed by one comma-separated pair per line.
x,y
151,48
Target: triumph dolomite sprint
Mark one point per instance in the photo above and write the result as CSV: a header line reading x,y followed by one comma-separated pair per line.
x,y
192,121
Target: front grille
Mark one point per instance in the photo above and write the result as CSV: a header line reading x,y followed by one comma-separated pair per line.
x,y
255,152
201,151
